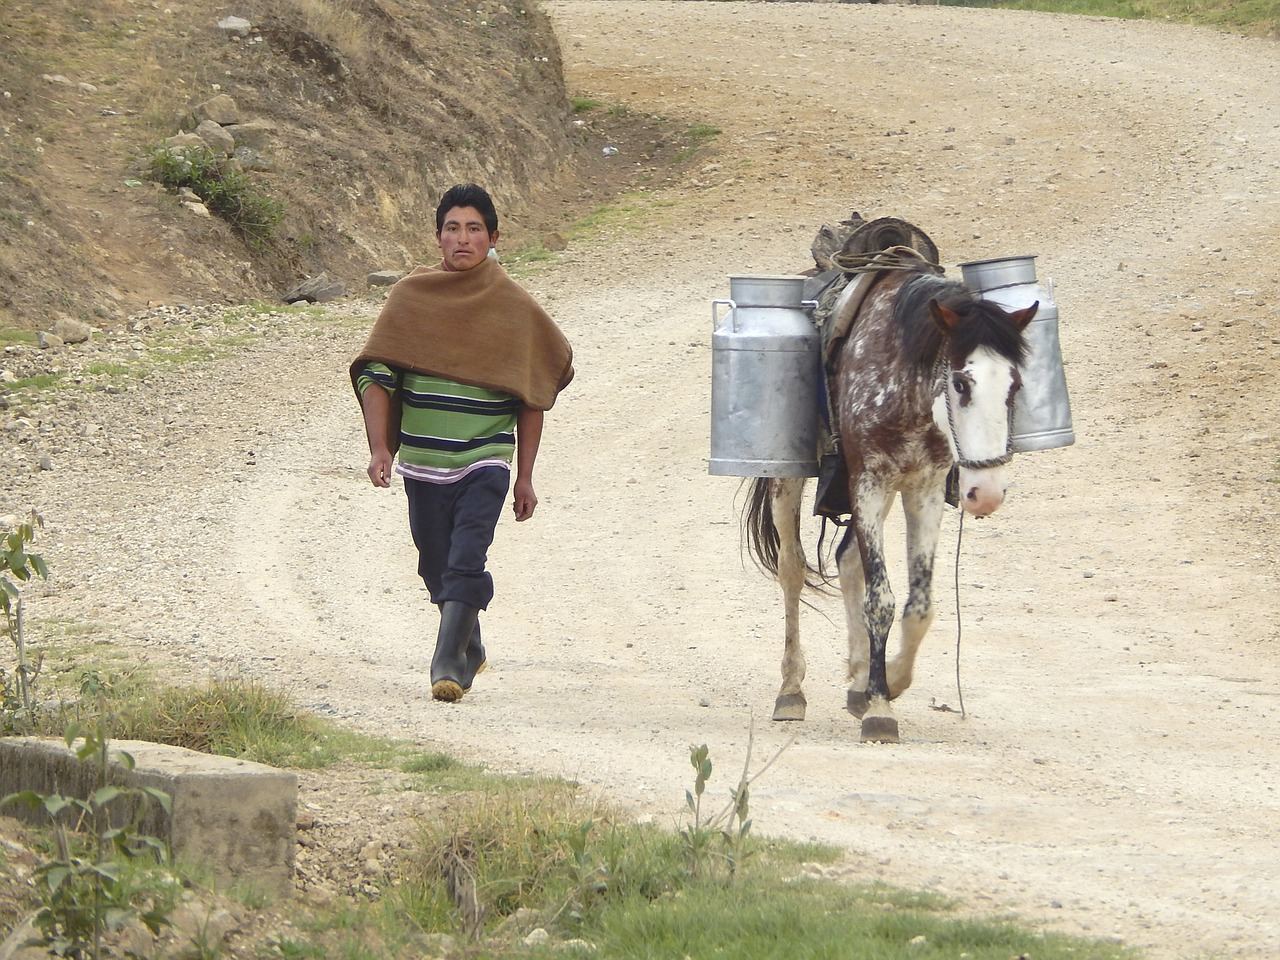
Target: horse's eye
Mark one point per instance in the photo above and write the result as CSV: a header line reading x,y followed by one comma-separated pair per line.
x,y
961,384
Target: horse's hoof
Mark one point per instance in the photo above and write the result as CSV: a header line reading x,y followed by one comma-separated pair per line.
x,y
856,703
879,730
789,706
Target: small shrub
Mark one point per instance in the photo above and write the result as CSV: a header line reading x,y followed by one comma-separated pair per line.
x,y
96,884
17,706
228,193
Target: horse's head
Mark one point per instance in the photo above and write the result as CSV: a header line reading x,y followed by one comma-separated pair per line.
x,y
973,403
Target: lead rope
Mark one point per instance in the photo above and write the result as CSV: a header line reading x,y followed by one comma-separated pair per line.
x,y
959,540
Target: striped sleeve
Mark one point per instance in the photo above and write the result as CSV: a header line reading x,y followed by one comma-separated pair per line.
x,y
380,374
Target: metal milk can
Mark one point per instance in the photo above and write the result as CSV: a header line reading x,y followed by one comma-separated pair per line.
x,y
765,380
1041,409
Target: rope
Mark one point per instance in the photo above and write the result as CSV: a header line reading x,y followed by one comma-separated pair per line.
x,y
959,540
878,260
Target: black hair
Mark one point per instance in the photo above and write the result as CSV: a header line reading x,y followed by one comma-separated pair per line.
x,y
468,195
982,323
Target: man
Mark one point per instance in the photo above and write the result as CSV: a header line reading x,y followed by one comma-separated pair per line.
x,y
457,373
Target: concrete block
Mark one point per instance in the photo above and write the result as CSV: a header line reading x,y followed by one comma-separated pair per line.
x,y
235,817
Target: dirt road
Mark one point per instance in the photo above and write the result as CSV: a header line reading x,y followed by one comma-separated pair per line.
x,y
1117,772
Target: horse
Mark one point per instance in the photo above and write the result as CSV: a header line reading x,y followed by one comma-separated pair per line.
x,y
925,379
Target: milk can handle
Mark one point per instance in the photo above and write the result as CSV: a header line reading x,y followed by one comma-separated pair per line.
x,y
715,319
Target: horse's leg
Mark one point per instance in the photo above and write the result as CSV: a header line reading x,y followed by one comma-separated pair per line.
x,y
785,501
923,508
871,501
853,589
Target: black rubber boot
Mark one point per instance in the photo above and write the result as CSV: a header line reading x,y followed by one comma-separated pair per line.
x,y
450,673
476,661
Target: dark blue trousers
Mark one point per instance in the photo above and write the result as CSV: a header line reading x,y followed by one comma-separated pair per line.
x,y
452,526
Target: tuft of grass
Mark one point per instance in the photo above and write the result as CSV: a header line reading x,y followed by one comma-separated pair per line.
x,y
584,104
41,381
227,192
342,27
698,135
10,335
234,718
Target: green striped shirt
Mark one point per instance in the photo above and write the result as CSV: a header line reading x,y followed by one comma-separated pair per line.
x,y
447,429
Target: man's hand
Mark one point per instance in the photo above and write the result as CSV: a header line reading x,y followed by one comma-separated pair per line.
x,y
380,468
525,500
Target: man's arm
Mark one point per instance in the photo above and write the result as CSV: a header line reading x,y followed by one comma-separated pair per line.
x,y
528,436
376,403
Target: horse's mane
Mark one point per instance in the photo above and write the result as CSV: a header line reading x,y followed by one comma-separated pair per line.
x,y
982,323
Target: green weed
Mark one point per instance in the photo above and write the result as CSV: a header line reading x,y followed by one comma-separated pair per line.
x,y
227,192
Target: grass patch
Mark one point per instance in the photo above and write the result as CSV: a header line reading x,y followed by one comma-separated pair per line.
x,y
10,335
108,369
698,135
631,212
241,719
1257,17
233,718
584,104
41,381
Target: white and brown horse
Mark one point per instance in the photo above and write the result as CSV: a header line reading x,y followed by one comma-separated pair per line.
x,y
926,378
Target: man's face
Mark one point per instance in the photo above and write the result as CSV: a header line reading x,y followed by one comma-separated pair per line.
x,y
464,239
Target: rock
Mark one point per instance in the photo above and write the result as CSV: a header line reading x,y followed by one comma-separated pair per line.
x,y
48,341
219,140
185,141
71,330
1197,327
384,278
250,159
536,937
317,289
554,242
220,109
199,209
581,946
46,462
255,133
186,193
235,26
55,78
86,88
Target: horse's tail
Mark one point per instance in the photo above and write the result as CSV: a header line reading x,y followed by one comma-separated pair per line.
x,y
762,541
758,529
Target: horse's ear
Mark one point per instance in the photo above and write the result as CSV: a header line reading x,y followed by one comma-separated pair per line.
x,y
945,319
1021,318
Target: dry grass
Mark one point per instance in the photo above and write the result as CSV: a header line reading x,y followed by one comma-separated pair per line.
x,y
338,25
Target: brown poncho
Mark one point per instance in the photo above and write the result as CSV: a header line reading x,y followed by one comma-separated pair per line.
x,y
475,326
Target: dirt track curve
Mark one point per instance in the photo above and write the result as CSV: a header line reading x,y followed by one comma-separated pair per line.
x,y
1117,772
